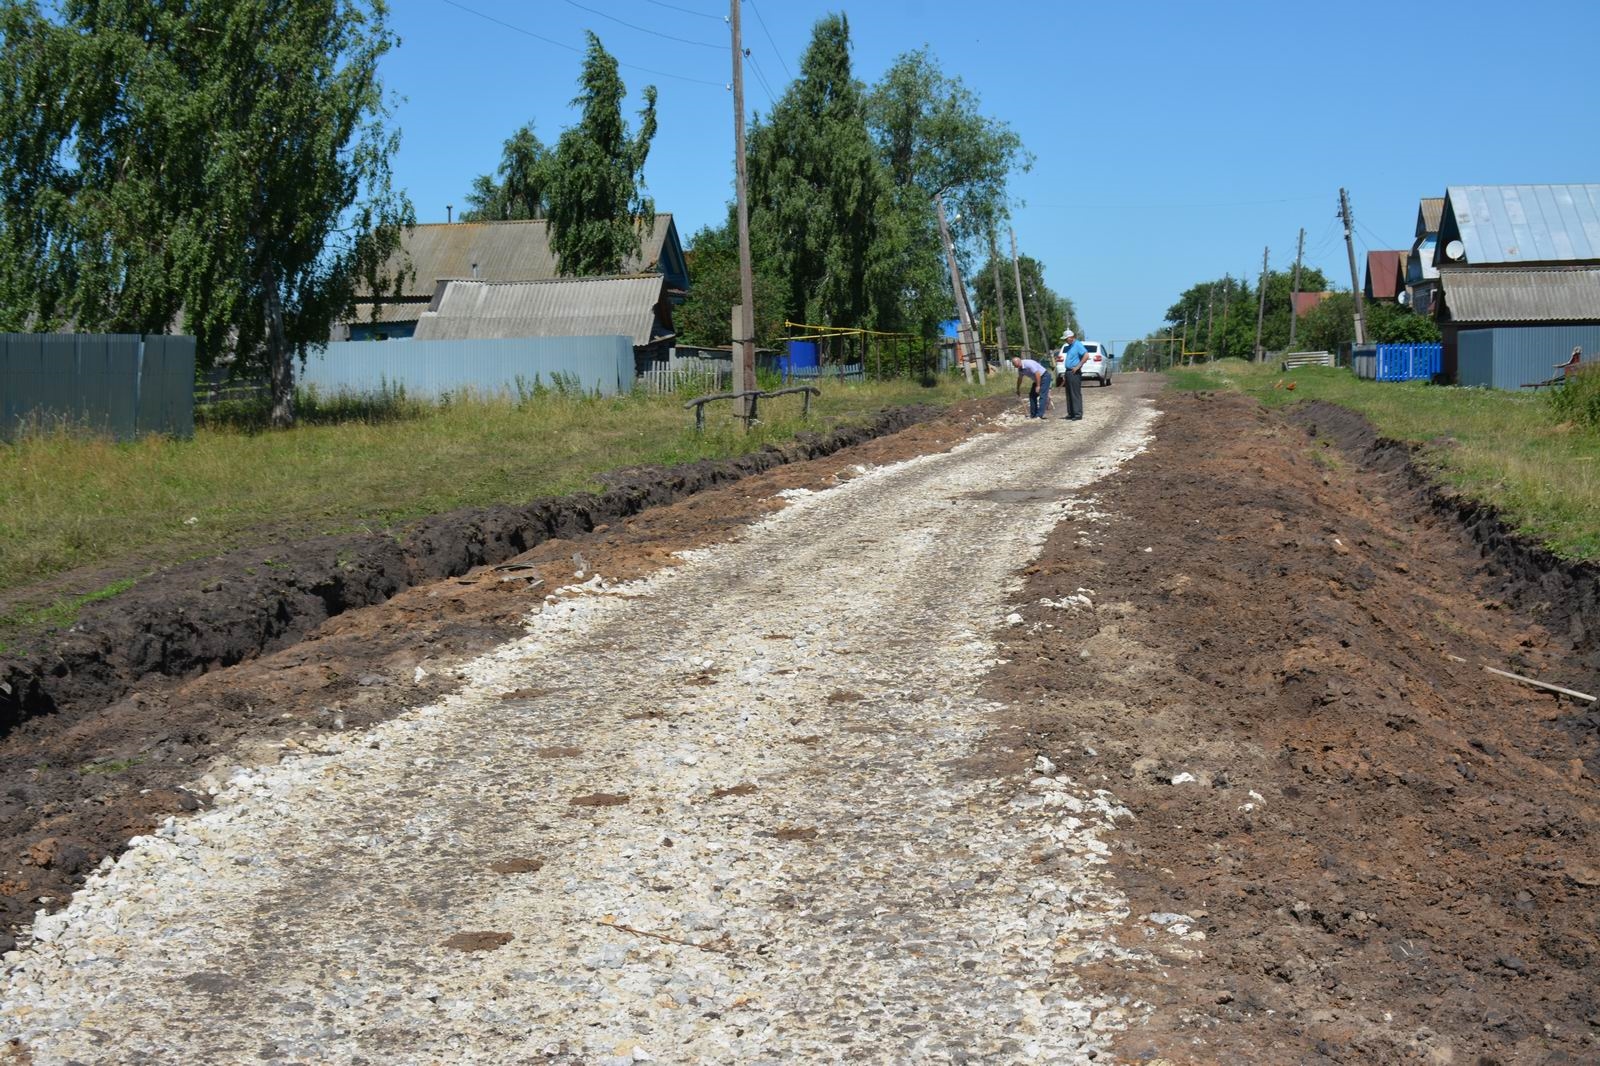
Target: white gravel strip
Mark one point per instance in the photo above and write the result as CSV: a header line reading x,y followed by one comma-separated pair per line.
x,y
869,899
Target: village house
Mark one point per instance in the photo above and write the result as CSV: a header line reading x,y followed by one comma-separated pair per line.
x,y
1519,280
513,251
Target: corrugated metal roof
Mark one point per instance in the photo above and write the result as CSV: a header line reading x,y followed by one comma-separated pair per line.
x,y
1429,210
1549,294
388,313
1523,223
501,251
1305,301
1383,274
565,307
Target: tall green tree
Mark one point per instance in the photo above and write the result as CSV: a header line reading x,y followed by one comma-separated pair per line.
x,y
935,143
598,206
1049,313
219,162
713,262
820,209
934,140
522,191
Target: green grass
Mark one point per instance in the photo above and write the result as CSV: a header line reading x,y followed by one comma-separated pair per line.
x,y
63,611
1511,450
73,501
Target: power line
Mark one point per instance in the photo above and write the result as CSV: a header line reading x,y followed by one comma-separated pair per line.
x,y
687,11
641,29
762,78
580,51
786,72
1147,206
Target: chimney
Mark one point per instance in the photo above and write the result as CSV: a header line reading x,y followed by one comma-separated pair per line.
x,y
447,209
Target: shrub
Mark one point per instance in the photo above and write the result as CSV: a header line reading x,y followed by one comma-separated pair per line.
x,y
1578,401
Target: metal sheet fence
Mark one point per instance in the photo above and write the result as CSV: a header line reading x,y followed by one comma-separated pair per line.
x,y
1408,362
1510,357
430,369
839,371
121,384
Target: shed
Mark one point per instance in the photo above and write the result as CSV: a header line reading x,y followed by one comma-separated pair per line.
x,y
636,307
1542,305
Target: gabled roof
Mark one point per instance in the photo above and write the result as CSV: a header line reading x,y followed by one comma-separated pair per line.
x,y
1522,294
516,251
1526,224
1429,210
1383,274
1305,301
562,307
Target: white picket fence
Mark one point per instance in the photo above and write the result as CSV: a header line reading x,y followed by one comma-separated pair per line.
x,y
701,375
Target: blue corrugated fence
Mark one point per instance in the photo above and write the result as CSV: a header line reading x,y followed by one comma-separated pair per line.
x,y
430,369
1408,362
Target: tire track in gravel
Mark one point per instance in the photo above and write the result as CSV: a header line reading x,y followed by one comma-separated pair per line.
x,y
733,799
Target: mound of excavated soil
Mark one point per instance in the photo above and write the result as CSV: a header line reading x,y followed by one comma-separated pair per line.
x,y
1352,843
214,613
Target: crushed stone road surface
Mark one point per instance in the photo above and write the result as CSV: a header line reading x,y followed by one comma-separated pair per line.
x,y
723,814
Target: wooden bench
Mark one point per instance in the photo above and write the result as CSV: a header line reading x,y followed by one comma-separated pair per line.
x,y
754,395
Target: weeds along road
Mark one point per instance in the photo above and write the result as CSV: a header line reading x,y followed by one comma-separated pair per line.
x,y
736,812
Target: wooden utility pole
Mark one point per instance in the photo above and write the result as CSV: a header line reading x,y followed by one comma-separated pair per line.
x,y
1294,290
1227,302
1261,305
964,332
999,299
1355,280
1022,306
1211,295
744,339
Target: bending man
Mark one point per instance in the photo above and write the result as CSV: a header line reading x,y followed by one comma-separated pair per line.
x,y
1038,388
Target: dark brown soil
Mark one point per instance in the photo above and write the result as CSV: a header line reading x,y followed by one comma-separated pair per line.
x,y
75,784
1391,854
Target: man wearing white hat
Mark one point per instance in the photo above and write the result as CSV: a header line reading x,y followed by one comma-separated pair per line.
x,y
1071,362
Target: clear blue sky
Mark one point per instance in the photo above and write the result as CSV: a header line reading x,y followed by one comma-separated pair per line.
x,y
1173,140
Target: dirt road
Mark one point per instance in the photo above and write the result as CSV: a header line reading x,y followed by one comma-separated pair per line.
x,y
957,753
749,809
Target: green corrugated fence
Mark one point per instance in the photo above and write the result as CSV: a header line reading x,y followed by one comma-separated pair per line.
x,y
120,384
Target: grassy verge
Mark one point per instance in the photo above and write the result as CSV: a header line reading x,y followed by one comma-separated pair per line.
x,y
73,502
1510,450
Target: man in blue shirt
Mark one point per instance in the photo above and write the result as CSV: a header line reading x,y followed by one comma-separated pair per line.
x,y
1038,388
1072,356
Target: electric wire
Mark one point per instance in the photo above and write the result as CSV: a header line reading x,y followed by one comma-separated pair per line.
x,y
687,11
580,51
641,29
1173,207
762,78
786,71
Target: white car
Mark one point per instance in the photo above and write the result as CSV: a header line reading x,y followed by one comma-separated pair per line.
x,y
1097,364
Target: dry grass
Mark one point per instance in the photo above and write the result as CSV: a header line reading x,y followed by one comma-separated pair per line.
x,y
1507,449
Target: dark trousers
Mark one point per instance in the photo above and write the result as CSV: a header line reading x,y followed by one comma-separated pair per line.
x,y
1074,381
1039,396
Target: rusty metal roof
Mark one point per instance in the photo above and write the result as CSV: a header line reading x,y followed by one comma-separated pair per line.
x,y
503,251
1505,224
562,307
1383,274
1305,301
1522,294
